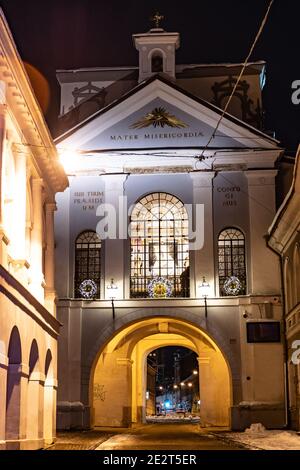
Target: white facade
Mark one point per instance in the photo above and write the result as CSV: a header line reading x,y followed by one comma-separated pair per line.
x,y
123,150
30,175
284,240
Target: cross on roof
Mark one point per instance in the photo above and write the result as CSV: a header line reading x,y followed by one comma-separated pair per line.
x,y
157,18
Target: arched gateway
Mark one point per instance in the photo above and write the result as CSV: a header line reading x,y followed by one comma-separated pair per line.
x,y
134,164
118,377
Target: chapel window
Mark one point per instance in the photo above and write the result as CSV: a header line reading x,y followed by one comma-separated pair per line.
x,y
87,265
159,248
232,263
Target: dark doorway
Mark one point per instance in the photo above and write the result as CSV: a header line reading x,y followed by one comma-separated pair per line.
x,y
157,63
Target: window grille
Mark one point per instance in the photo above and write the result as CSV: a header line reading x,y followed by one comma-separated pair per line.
x,y
231,259
159,244
87,260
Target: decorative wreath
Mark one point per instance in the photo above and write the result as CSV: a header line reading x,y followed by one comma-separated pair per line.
x,y
88,289
159,287
232,286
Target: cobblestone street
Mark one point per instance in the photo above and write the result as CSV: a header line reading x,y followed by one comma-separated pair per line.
x,y
85,440
148,437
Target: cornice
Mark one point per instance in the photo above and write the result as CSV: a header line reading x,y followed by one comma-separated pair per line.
x,y
21,100
20,296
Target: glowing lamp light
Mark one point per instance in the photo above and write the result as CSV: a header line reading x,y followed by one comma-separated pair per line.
x,y
195,372
182,384
175,387
112,289
167,405
204,288
70,159
205,291
190,384
160,387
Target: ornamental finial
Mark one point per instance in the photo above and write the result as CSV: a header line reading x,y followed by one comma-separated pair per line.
x,y
157,18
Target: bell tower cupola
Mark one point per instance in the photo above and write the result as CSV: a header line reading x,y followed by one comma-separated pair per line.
x,y
156,50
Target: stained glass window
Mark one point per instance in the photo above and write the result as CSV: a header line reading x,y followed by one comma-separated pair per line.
x,y
159,244
231,260
87,260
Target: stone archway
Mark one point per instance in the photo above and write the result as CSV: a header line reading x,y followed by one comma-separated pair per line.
x,y
14,389
117,383
139,367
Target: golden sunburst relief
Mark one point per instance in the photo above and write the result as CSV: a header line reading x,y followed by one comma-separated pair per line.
x,y
158,117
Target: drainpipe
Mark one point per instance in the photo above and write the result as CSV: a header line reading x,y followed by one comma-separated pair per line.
x,y
285,343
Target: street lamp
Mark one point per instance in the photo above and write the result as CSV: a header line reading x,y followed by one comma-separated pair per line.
x,y
195,372
190,386
204,290
112,288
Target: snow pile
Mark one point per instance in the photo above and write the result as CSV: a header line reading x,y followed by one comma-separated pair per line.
x,y
256,428
257,437
172,418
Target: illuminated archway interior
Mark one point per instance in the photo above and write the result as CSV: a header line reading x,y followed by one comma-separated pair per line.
x,y
172,384
118,381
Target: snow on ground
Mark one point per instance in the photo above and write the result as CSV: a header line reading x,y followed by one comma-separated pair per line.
x,y
257,437
170,418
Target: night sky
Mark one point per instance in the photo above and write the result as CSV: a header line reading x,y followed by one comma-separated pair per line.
x,y
188,361
60,34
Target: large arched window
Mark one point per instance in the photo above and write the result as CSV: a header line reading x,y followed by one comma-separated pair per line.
x,y
232,263
87,262
159,247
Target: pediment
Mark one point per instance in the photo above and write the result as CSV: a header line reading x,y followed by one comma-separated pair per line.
x,y
159,115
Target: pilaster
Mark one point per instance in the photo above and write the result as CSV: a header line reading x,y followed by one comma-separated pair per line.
x,y
50,293
35,406
203,259
50,395
37,277
114,248
3,387
20,204
264,265
3,238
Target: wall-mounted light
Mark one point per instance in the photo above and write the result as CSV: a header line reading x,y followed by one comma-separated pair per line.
x,y
112,291
204,291
70,159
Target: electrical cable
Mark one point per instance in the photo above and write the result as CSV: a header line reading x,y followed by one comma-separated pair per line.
x,y
239,77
